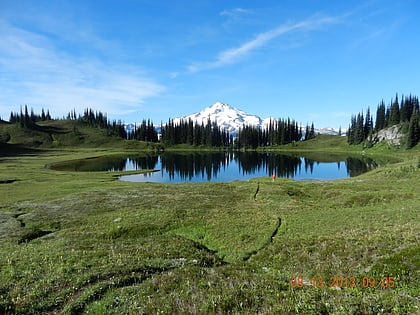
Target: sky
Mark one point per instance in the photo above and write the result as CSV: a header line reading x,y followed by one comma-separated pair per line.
x,y
317,61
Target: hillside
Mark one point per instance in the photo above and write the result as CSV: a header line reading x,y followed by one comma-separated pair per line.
x,y
56,134
398,124
321,142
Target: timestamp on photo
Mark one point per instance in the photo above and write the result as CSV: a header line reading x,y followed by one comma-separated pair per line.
x,y
340,282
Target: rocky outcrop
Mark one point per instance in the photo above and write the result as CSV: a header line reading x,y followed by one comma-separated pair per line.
x,y
392,135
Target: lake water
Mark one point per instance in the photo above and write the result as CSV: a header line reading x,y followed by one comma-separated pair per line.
x,y
225,166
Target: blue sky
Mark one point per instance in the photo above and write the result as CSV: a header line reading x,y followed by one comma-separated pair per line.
x,y
313,61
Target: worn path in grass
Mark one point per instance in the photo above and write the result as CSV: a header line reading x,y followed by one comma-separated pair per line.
x,y
85,242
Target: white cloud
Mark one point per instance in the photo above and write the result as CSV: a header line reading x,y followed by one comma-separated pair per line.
x,y
34,71
174,74
233,55
234,12
375,36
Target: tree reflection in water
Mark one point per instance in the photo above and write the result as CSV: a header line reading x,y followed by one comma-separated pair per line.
x,y
226,166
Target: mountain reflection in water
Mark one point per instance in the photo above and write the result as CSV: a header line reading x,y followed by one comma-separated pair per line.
x,y
224,166
228,166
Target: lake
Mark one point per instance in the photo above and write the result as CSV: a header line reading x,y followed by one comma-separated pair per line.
x,y
225,166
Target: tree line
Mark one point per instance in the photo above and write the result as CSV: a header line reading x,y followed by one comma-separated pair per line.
x,y
192,133
278,132
145,132
100,120
28,120
90,117
404,111
185,131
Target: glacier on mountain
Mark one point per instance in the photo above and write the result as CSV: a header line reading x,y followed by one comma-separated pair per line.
x,y
226,117
232,119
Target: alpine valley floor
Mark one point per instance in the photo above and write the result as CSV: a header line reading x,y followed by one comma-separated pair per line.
x,y
87,243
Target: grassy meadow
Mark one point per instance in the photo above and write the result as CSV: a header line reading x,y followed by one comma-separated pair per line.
x,y
86,243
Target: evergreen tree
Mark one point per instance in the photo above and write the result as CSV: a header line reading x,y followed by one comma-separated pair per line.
x,y
312,132
380,117
357,130
190,132
32,117
404,111
26,119
12,117
197,134
368,126
351,130
413,130
208,134
21,120
394,113
307,132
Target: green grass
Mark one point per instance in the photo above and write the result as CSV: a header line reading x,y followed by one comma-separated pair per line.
x,y
87,243
322,143
64,134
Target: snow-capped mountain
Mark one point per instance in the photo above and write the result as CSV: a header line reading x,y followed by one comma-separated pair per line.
x,y
227,117
231,119
331,131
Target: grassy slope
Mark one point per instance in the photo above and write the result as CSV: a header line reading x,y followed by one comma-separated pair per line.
x,y
65,134
77,242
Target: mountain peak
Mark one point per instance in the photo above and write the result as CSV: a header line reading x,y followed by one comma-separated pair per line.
x,y
232,119
218,107
226,116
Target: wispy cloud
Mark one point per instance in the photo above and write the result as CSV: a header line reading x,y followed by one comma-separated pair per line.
x,y
376,35
34,71
233,55
234,12
235,17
